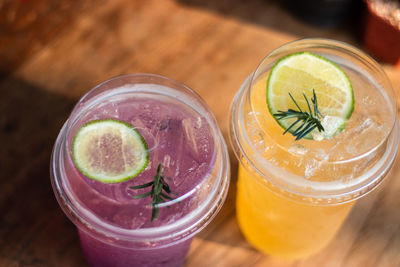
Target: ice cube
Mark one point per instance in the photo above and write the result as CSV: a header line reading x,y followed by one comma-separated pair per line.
x,y
356,143
298,150
187,172
190,136
169,124
320,154
317,136
311,166
166,161
331,124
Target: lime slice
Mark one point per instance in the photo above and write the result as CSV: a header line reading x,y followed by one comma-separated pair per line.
x,y
304,72
109,151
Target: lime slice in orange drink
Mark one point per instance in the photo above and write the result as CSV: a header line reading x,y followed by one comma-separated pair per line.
x,y
298,75
109,151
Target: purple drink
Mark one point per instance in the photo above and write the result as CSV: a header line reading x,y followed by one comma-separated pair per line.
x,y
115,227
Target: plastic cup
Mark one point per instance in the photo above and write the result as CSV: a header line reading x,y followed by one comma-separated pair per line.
x,y
292,212
114,228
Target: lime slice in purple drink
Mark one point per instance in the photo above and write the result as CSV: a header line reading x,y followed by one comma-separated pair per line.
x,y
109,151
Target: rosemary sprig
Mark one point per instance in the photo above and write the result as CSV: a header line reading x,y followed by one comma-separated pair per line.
x,y
157,186
309,119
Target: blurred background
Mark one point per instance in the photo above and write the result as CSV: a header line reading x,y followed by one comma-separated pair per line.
x,y
53,51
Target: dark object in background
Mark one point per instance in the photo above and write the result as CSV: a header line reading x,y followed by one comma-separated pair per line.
x,y
325,13
382,30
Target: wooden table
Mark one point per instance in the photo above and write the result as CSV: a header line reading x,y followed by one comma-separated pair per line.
x,y
53,51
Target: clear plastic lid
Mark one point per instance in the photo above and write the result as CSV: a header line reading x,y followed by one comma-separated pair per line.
x,y
333,170
181,134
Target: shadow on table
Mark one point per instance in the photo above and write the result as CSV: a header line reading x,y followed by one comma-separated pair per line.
x,y
33,228
340,20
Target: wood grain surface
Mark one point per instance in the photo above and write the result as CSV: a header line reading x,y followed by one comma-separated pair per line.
x,y
53,51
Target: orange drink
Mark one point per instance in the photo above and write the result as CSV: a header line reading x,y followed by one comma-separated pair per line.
x,y
295,193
